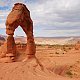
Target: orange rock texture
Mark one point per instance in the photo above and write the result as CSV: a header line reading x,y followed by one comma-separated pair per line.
x,y
19,16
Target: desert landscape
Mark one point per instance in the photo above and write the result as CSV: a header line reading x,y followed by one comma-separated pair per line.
x,y
58,61
31,57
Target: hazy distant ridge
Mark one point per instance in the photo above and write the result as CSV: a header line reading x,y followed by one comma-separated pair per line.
x,y
46,40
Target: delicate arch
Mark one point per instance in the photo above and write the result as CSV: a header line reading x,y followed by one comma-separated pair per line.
x,y
20,15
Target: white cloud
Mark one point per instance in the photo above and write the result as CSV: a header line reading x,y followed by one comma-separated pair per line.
x,y
57,33
2,25
51,14
3,16
3,3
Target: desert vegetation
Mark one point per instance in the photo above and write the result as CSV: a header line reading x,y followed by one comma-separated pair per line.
x,y
57,60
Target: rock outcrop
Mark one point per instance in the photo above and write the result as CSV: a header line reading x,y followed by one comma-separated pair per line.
x,y
19,16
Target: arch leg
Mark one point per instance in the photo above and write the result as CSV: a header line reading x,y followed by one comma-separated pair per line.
x,y
31,47
11,46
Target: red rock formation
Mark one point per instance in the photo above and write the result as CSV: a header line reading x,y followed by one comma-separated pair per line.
x,y
11,46
19,15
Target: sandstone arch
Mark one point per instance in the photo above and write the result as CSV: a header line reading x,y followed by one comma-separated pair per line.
x,y
19,16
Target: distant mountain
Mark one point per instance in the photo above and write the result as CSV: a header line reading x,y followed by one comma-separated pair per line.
x,y
46,40
72,40
2,37
50,41
57,41
20,39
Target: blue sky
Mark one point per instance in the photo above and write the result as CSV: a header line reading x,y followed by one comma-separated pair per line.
x,y
51,18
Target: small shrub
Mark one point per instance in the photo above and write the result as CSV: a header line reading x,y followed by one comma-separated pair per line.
x,y
49,46
69,48
76,48
56,53
63,53
51,53
69,73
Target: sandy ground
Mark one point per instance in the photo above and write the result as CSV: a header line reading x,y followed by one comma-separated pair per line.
x,y
55,63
